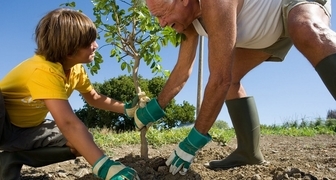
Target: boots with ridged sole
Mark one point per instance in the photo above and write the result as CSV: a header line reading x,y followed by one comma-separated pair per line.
x,y
245,120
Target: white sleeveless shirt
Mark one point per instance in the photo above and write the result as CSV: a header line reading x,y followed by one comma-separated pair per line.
x,y
259,24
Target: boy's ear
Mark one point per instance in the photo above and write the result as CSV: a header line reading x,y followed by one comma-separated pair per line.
x,y
70,56
185,2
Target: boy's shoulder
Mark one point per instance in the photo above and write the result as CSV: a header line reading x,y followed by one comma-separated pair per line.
x,y
39,62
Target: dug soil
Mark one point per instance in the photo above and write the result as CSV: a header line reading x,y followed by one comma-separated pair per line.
x,y
293,158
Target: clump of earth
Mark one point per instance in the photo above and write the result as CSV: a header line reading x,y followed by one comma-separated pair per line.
x,y
292,158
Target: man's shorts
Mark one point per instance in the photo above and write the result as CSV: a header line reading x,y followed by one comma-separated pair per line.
x,y
280,48
13,138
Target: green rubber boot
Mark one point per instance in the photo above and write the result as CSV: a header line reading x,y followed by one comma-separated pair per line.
x,y
12,162
326,68
245,121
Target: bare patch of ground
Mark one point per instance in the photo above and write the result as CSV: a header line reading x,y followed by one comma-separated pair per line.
x,y
293,158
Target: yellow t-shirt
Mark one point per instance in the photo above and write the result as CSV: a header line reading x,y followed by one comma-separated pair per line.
x,y
35,79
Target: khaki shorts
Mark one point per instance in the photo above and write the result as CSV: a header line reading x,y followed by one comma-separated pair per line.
x,y
280,48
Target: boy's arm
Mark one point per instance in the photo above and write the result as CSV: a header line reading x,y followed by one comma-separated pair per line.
x,y
82,141
93,98
73,129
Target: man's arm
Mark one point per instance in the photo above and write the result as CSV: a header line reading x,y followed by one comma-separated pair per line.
x,y
182,69
219,18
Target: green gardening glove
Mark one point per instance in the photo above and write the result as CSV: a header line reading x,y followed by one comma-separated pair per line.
x,y
108,169
151,112
185,152
130,107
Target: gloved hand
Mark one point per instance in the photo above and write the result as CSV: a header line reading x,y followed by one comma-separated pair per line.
x,y
108,169
130,107
185,152
148,114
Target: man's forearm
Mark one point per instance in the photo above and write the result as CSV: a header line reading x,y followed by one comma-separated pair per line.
x,y
171,89
182,69
212,104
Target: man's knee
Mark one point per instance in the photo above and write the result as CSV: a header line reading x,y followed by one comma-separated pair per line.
x,y
309,30
308,20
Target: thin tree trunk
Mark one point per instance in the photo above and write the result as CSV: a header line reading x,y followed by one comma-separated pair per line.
x,y
144,143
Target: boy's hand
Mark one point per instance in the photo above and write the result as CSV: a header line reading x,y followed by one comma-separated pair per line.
x,y
108,169
148,114
131,107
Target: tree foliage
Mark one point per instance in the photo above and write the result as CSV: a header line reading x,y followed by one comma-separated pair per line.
x,y
121,88
220,124
331,114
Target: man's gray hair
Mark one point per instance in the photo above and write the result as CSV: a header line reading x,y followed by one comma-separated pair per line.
x,y
143,2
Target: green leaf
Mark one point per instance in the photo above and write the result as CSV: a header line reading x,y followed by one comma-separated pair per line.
x,y
129,68
153,65
113,53
123,65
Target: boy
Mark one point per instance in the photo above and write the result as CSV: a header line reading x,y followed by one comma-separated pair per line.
x,y
43,83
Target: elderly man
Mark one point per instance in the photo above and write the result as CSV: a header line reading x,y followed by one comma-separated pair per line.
x,y
241,35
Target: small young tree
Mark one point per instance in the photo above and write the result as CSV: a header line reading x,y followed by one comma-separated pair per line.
x,y
133,34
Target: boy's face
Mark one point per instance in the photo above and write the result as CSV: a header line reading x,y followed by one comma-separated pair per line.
x,y
84,55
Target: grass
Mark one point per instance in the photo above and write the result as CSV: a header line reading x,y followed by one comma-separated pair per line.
x,y
108,139
303,128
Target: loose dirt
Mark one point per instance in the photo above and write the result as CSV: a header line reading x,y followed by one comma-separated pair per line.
x,y
292,158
